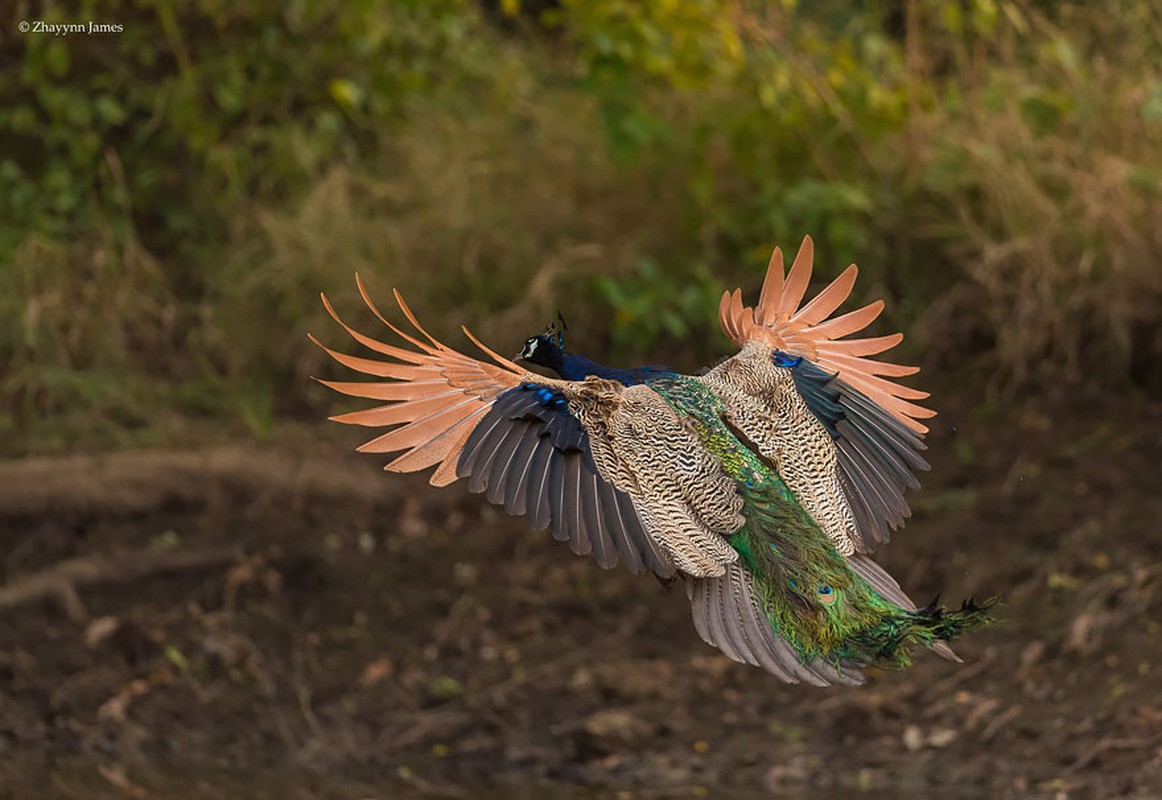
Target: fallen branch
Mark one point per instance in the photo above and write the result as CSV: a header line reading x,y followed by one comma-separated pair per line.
x,y
1000,721
1107,744
64,578
140,482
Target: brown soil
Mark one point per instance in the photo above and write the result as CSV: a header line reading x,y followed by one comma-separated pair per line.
x,y
256,623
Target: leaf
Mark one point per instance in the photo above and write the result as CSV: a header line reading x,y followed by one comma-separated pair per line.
x,y
175,656
345,93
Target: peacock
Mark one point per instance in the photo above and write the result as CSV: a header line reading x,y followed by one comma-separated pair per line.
x,y
764,482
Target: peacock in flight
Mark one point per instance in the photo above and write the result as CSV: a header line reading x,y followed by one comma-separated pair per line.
x,y
764,482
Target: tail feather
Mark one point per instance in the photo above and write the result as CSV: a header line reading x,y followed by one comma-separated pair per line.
x,y
888,588
727,616
933,625
947,625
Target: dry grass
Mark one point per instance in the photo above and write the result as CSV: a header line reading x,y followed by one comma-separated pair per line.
x,y
88,327
1047,185
491,220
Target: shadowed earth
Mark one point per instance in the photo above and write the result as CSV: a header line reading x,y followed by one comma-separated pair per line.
x,y
251,622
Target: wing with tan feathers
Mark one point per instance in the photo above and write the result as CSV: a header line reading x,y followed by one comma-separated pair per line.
x,y
806,332
506,430
436,396
845,438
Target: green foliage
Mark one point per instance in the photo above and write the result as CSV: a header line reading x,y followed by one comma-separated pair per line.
x,y
653,305
199,107
172,197
160,144
683,44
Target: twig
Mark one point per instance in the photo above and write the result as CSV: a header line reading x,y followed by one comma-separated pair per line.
x,y
1111,744
962,675
430,789
998,722
434,721
115,774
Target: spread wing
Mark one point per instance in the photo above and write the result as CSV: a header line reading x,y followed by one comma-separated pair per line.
x,y
608,468
500,427
534,458
806,332
876,454
846,438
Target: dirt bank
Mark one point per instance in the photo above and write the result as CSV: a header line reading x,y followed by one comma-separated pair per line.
x,y
292,623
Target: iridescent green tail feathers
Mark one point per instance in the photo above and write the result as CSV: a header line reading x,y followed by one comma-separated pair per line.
x,y
739,615
887,644
946,625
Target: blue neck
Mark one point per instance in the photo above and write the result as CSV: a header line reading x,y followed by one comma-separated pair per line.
x,y
574,367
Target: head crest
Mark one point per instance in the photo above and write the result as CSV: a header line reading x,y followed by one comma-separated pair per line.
x,y
555,331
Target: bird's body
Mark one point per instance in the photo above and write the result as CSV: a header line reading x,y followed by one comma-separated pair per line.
x,y
763,482
825,609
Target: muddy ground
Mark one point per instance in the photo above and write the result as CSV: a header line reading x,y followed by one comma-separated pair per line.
x,y
289,622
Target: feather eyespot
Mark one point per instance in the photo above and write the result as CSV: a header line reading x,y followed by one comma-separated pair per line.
x,y
826,595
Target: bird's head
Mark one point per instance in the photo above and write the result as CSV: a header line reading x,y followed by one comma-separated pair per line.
x,y
545,349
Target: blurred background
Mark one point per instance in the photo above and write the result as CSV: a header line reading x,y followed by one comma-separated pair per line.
x,y
205,595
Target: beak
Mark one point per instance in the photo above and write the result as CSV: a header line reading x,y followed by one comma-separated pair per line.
x,y
519,357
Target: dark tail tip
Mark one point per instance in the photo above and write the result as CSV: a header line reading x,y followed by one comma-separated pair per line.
x,y
948,624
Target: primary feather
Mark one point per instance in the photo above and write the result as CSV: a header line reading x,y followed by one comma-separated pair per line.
x,y
762,482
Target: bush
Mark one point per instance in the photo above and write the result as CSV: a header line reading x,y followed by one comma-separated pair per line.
x,y
173,197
